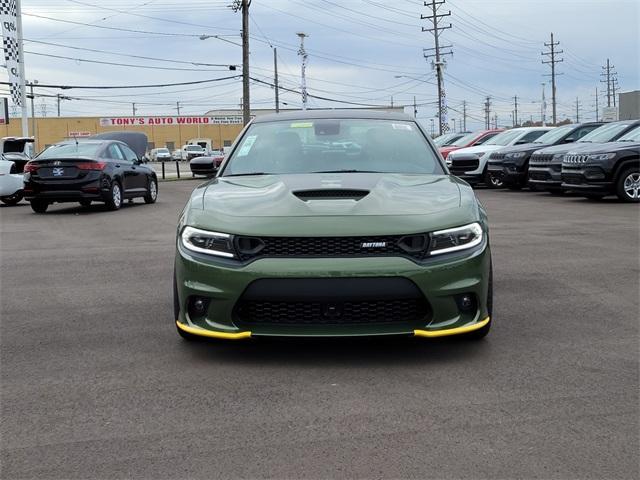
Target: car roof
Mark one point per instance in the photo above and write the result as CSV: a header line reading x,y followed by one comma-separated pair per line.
x,y
355,113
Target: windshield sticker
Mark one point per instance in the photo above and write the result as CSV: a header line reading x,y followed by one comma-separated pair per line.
x,y
302,125
246,146
401,126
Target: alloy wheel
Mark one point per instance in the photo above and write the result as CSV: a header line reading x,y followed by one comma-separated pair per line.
x,y
153,190
116,195
632,185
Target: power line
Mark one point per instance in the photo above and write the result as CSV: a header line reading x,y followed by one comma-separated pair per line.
x,y
106,87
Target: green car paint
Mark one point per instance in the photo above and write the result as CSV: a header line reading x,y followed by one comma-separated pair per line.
x,y
397,204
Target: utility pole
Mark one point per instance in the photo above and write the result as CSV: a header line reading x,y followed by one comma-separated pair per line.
x,y
415,107
608,74
391,101
464,115
454,124
515,111
246,102
597,110
614,87
439,52
178,108
134,109
577,110
303,79
33,112
487,113
551,54
58,97
432,128
495,120
275,78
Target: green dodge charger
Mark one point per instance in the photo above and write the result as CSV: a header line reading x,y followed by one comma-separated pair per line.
x,y
333,223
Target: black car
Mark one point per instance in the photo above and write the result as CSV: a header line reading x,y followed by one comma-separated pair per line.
x,y
104,168
207,165
511,164
545,165
607,169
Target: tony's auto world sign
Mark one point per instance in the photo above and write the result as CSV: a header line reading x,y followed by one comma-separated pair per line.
x,y
142,121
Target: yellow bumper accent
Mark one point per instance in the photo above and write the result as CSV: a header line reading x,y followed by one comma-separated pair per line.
x,y
451,331
208,333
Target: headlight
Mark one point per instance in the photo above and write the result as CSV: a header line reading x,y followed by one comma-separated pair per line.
x,y
601,157
480,154
449,162
211,243
515,155
454,239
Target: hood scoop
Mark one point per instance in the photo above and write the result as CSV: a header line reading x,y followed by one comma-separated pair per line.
x,y
331,194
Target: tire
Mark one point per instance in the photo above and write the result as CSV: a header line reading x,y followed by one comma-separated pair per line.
x,y
114,202
176,314
39,206
152,191
492,181
484,331
628,185
12,200
85,203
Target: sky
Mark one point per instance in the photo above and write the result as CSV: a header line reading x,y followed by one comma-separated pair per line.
x,y
366,52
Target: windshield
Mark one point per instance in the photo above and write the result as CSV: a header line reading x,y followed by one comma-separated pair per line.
x,y
552,136
333,145
66,150
505,138
163,150
446,139
632,136
605,133
194,147
464,141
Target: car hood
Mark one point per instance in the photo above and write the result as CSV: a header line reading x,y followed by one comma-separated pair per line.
x,y
610,147
395,203
478,148
565,147
525,147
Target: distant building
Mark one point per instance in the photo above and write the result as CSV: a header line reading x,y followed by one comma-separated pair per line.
x,y
629,105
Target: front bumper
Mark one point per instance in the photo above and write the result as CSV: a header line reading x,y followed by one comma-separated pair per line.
x,y
588,178
546,176
441,281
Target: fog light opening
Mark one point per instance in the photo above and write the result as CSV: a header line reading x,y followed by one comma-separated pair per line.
x,y
467,302
197,306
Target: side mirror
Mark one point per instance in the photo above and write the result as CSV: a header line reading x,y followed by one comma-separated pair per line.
x,y
137,161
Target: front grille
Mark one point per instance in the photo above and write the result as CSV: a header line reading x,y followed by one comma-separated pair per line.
x,y
312,313
541,159
572,178
461,166
374,246
575,159
541,176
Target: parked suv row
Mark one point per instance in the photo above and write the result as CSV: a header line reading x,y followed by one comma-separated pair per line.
x,y
594,159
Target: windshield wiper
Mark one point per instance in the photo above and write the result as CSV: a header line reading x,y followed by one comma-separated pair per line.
x,y
348,171
247,174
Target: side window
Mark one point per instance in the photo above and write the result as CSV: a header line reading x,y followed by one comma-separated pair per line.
x,y
584,130
129,154
531,136
114,152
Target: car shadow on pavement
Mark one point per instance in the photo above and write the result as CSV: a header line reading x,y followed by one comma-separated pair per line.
x,y
338,351
76,209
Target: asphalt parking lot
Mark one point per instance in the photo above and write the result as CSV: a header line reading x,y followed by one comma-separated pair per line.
x,y
97,384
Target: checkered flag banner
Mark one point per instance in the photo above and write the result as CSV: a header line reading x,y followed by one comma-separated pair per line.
x,y
9,20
